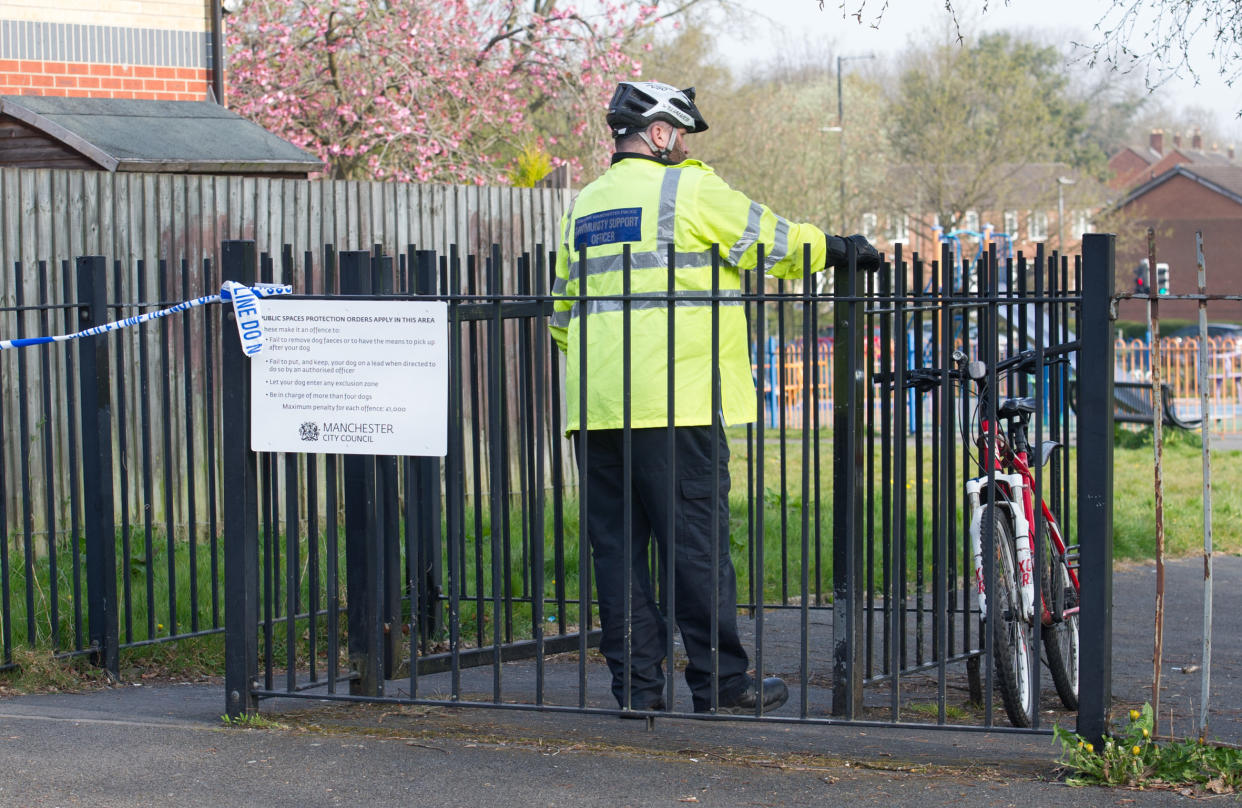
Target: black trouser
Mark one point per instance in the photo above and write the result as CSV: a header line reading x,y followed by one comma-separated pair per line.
x,y
692,490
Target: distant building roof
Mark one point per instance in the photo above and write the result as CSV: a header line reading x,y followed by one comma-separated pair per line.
x,y
1225,180
159,136
1157,156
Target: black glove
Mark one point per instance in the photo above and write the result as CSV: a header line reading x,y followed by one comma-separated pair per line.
x,y
868,259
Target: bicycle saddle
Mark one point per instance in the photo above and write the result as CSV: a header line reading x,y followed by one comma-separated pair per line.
x,y
1045,453
1014,406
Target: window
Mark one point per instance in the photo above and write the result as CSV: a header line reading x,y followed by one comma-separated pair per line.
x,y
899,228
970,221
1037,225
869,224
1081,223
1011,223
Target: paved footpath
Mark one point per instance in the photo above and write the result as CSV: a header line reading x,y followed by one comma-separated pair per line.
x,y
166,745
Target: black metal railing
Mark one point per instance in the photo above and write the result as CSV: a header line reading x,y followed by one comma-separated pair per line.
x,y
109,471
462,578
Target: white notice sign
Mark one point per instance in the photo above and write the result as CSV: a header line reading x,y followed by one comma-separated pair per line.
x,y
351,377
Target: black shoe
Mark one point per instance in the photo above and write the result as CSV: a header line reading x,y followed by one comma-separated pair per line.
x,y
645,711
775,694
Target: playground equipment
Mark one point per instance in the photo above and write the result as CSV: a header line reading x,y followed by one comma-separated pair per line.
x,y
967,249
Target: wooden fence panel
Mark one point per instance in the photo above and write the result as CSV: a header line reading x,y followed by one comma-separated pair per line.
x,y
141,220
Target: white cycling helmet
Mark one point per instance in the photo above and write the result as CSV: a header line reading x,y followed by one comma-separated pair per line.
x,y
637,104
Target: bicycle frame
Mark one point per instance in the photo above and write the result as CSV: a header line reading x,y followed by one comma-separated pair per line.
x,y
1016,492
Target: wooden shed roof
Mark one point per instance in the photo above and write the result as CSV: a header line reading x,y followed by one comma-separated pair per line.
x,y
158,136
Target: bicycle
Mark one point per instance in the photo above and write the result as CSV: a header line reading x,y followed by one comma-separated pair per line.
x,y
1002,497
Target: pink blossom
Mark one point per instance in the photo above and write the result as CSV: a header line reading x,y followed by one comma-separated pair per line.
x,y
433,92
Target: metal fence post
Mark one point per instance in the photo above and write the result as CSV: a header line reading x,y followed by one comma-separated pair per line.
x,y
388,505
1095,486
847,486
364,542
240,499
95,379
427,487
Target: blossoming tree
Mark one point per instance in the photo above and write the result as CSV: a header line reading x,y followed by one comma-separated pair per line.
x,y
443,91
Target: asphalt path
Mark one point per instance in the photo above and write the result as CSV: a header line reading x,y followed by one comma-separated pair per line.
x,y
166,745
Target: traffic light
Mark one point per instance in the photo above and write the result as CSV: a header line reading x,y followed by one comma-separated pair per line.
x,y
1162,279
1140,279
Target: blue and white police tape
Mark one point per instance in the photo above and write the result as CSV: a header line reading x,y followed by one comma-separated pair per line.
x,y
245,307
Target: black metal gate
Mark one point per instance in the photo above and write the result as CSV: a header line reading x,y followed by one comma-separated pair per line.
x,y
463,578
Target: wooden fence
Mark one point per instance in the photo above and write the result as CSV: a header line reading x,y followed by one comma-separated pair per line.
x,y
141,220
53,215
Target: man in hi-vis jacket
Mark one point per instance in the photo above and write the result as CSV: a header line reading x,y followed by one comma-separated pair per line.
x,y
651,196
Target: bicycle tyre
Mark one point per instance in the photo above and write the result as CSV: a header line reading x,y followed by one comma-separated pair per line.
x,y
1060,639
1011,647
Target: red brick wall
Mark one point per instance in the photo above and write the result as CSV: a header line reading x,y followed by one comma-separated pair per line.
x,y
1176,209
87,80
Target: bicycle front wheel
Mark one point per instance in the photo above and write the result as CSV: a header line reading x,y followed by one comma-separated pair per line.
x,y
1060,638
1011,646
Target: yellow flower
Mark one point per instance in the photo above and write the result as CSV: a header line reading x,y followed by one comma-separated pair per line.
x,y
1135,750
1081,744
1146,732
1134,715
1090,748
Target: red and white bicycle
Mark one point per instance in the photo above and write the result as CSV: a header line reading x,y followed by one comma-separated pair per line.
x,y
1003,524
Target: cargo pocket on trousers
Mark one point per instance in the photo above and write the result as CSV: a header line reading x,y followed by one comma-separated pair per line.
x,y
694,523
694,488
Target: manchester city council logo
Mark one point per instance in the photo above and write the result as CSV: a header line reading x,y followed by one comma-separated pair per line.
x,y
309,430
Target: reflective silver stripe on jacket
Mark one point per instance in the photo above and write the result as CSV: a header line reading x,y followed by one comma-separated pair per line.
x,y
652,300
666,227
749,236
781,248
655,259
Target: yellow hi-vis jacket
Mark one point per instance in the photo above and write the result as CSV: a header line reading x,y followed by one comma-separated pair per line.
x,y
647,204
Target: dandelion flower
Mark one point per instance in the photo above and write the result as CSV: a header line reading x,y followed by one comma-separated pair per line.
x,y
1134,715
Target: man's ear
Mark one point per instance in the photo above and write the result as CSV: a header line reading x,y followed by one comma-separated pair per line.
x,y
659,132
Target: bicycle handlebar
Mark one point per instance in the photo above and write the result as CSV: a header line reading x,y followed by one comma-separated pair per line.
x,y
1025,361
921,379
926,379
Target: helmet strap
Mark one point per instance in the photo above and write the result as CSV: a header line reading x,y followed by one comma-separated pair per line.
x,y
664,153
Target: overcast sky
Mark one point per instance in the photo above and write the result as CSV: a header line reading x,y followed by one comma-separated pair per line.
x,y
799,22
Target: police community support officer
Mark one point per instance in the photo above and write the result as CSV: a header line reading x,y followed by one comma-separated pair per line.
x,y
651,196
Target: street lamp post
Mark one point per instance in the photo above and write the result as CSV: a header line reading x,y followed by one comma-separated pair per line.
x,y
841,142
1061,183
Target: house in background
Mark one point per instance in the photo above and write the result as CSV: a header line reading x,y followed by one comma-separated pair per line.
x,y
1137,164
167,50
1179,186
1185,199
126,86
